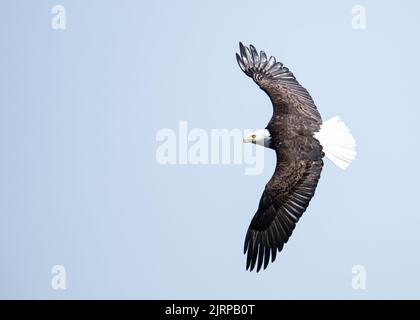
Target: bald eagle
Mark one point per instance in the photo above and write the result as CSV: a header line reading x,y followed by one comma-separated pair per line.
x,y
300,139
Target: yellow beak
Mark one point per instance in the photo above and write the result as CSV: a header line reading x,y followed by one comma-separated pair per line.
x,y
248,139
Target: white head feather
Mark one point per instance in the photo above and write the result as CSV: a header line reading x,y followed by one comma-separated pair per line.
x,y
261,137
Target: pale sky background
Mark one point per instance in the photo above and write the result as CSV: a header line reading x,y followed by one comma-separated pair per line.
x,y
80,185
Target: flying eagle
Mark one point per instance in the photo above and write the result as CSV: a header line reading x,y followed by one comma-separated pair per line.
x,y
300,140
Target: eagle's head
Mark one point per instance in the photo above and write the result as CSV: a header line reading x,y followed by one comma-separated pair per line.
x,y
261,137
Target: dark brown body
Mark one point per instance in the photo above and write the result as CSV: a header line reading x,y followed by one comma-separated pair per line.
x,y
299,157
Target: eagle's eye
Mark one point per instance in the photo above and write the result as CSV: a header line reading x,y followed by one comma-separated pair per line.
x,y
253,136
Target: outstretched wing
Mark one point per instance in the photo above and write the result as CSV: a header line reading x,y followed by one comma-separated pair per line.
x,y
276,80
285,199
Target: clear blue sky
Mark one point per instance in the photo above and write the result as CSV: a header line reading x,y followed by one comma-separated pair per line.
x,y
80,185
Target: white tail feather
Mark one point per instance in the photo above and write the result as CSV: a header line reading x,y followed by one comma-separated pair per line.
x,y
337,142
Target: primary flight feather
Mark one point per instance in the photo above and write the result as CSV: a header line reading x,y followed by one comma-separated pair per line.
x,y
300,140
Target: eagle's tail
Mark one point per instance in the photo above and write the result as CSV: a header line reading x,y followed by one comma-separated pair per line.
x,y
337,142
